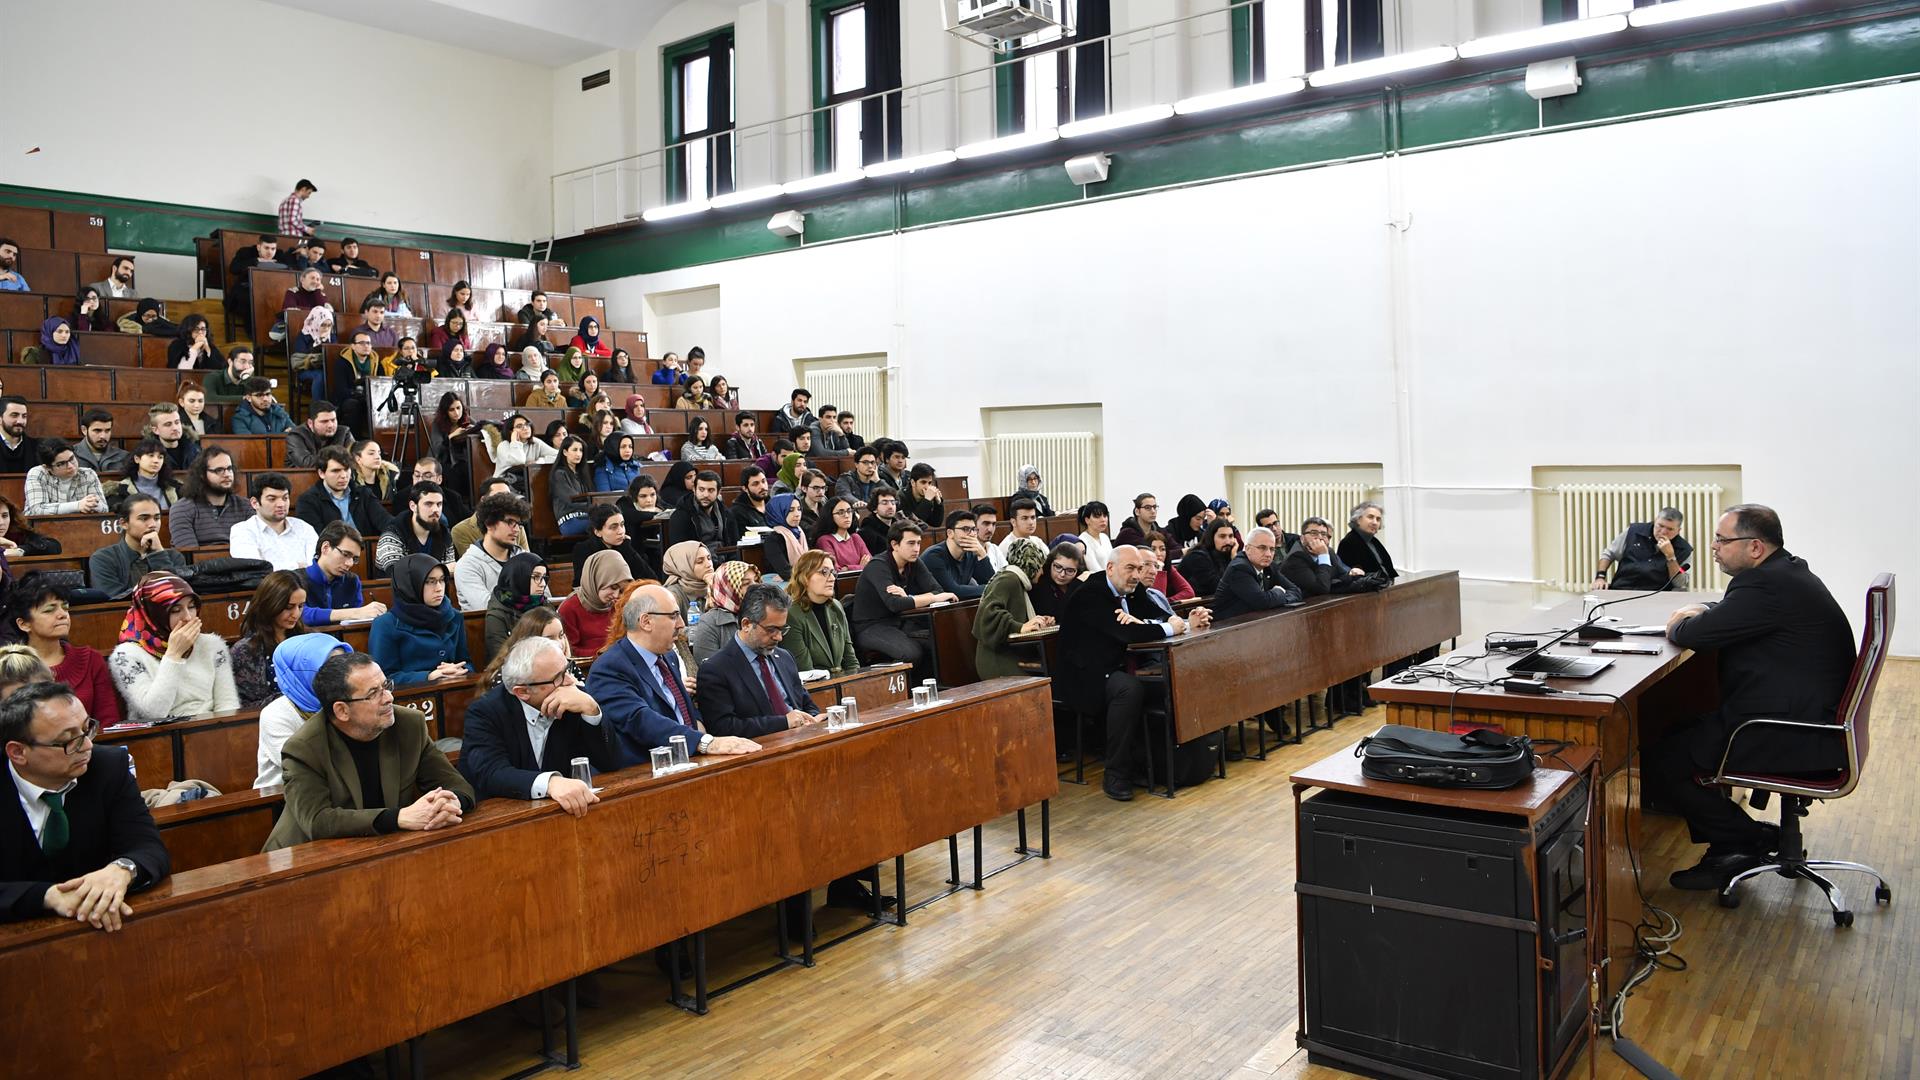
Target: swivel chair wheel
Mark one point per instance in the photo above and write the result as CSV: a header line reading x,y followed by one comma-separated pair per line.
x,y
1729,899
1843,918
1883,894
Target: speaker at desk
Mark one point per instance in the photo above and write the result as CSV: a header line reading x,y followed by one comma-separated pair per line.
x,y
1447,942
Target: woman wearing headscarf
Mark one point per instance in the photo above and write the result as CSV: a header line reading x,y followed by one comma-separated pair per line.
x,y
678,486
1188,519
309,349
783,547
817,631
295,662
572,365
635,422
588,339
788,477
522,587
56,344
688,565
1029,486
493,363
533,364
721,619
423,639
618,464
1007,609
165,664
588,612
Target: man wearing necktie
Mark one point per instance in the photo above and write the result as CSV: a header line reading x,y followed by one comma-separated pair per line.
x,y
76,837
641,690
754,687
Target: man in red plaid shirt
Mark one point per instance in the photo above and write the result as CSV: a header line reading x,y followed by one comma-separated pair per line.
x,y
293,222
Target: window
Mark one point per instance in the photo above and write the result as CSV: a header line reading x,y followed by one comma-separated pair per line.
x,y
1283,38
1045,84
856,57
1562,10
699,160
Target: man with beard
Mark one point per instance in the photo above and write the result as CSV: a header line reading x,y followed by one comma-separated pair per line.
x,y
699,518
420,531
167,423
19,451
208,509
749,511
96,449
10,279
119,282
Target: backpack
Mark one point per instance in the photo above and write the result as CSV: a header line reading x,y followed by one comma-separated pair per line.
x,y
226,575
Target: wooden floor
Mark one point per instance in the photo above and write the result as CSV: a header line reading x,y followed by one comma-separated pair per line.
x,y
1159,941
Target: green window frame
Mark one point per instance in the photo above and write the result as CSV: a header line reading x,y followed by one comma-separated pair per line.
x,y
716,44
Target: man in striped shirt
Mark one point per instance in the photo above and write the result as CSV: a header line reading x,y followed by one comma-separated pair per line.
x,y
293,220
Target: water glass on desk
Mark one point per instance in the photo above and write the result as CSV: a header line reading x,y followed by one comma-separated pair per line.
x,y
679,745
836,718
583,770
922,697
852,710
662,760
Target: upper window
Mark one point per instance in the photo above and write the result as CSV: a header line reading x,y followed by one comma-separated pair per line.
x,y
1045,84
856,60
1282,38
699,160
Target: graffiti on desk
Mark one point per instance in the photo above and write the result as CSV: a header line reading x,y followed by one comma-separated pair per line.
x,y
669,842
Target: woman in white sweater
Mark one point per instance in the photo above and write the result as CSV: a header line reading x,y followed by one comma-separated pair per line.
x,y
165,665
519,447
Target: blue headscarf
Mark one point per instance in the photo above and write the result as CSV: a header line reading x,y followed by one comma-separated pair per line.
x,y
777,508
59,354
296,661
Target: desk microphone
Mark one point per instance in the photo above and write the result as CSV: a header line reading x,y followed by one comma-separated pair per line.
x,y
1590,632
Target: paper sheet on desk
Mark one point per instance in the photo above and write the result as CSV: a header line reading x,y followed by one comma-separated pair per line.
x,y
814,675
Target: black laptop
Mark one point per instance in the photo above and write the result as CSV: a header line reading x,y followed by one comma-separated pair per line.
x,y
1542,662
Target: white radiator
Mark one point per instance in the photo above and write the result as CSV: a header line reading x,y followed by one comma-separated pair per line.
x,y
860,390
1591,515
1069,464
1296,502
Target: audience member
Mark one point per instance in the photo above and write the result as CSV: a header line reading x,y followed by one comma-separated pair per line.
x,y
748,685
641,689
749,509
620,368
818,635
296,661
1190,519
828,441
1166,576
609,533
493,363
61,485
20,667
794,415
924,502
588,611
571,365
1029,485
451,362
724,395
166,423
960,563
1203,565
259,413
373,323
530,343
699,445
166,666
19,451
96,448
119,280
745,441
56,345
520,447
535,309
337,498
1094,517
193,411
17,538
407,355
468,530
422,639
349,260
448,446
619,464
1065,564
547,394
850,550
522,736
79,838
1023,518
689,568
476,574
10,277
788,539
1006,609
1251,582
1361,547
668,373
194,349
874,528
264,254
1649,555
858,485
333,589
90,312
148,472
721,617
589,341
306,357
581,394
522,587
890,586
854,441
701,519
1312,565
462,298
118,567
399,781
391,297
149,318
271,534
351,372
308,291
420,531
273,615
37,612
321,431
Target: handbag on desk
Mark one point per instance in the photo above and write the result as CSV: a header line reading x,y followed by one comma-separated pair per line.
x,y
1481,758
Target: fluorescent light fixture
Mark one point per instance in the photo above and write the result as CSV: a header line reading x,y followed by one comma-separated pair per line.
x,y
1115,121
675,210
820,181
1676,10
1551,34
1239,95
749,195
1385,65
1009,143
912,164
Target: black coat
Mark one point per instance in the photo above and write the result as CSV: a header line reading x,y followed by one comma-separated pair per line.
x,y
636,560
1641,565
1202,568
1367,553
1246,588
733,699
496,754
1312,578
106,820
1093,644
1786,652
318,510
710,528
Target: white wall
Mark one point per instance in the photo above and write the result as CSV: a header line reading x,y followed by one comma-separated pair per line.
x,y
1731,285
183,123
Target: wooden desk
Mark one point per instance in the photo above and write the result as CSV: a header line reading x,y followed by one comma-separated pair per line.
x,y
1610,712
514,899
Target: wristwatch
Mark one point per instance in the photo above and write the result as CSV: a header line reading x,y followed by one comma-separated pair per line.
x,y
706,740
128,865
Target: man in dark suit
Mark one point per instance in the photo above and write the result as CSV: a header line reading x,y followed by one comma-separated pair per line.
x,y
521,736
1312,565
1361,548
1100,620
640,689
701,518
1786,652
753,687
75,836
1251,582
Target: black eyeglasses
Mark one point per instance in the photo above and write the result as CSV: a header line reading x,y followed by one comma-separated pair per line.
x,y
386,688
75,744
1719,540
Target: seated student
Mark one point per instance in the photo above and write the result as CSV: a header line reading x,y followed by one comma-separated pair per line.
x,y
264,254
620,368
1007,609
1312,565
640,505
609,533
229,384
61,485
583,391
467,531
858,485
635,421
522,588
273,616
699,445
547,395
337,498
890,586
1204,564
1094,518
19,451
1190,518
818,635
149,317
148,472
959,563
689,570
20,667
883,515
118,567
193,411
853,439
333,589
618,465
521,736
1029,487
404,783
493,363
90,312
272,534
37,610
462,298
569,488
166,423
535,308
828,441
390,297
670,372
1166,576
693,395
166,665
419,531
311,254
258,413
533,336
589,341
422,639
518,447
295,663
571,365
349,260
194,349
721,615
373,322
96,448
10,278
1251,582
56,344
477,572
749,686
449,333
307,353
451,362
641,689
407,355
794,415
77,836
321,430
924,501
588,611
1051,592
700,518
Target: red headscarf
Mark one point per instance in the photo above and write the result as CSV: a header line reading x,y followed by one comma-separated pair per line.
x,y
148,623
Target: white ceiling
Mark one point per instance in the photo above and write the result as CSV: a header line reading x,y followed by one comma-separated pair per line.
x,y
546,33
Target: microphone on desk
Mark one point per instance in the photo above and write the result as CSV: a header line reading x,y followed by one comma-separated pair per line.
x,y
1590,632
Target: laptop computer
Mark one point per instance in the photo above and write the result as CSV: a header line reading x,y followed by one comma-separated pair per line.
x,y
1541,662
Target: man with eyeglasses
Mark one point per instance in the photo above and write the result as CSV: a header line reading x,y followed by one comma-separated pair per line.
x,y
1251,582
361,766
638,683
208,509
61,485
960,563
754,689
858,485
476,573
522,736
1785,653
813,498
74,840
1313,565
1144,522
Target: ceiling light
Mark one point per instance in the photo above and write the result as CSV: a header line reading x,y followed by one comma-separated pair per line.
x,y
674,210
1551,34
819,181
1239,95
1009,143
1385,65
912,164
749,195
1115,121
1676,10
